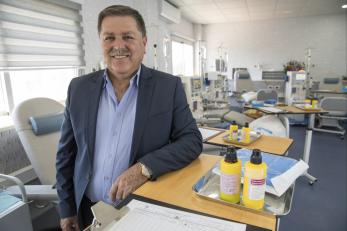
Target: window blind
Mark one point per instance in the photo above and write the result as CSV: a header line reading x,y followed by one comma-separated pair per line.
x,y
40,33
182,39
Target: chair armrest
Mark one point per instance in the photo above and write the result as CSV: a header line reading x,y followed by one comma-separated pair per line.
x,y
19,183
333,117
37,192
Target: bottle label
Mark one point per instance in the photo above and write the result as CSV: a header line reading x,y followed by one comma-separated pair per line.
x,y
307,103
314,104
230,183
256,189
245,135
234,135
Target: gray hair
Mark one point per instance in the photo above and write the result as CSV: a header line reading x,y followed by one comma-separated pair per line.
x,y
120,10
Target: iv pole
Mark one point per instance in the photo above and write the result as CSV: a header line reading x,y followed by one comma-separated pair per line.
x,y
308,82
155,61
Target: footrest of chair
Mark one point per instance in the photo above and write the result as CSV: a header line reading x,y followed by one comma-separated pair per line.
x,y
36,192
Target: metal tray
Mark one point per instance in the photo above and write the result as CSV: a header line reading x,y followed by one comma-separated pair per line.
x,y
253,137
302,107
208,187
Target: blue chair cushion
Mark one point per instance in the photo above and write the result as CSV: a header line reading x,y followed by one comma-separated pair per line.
x,y
257,103
331,80
46,124
270,101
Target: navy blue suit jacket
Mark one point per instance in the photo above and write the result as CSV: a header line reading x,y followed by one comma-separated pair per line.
x,y
165,136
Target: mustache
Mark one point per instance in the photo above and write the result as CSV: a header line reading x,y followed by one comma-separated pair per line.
x,y
119,51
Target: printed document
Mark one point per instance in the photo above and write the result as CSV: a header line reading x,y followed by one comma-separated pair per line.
x,y
149,217
271,109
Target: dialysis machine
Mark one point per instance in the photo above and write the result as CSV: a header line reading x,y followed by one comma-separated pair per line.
x,y
217,88
295,91
193,87
207,103
215,98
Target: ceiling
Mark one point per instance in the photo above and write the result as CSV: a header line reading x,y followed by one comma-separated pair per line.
x,y
225,11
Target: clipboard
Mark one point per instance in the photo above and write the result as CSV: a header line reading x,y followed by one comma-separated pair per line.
x,y
104,215
208,133
107,216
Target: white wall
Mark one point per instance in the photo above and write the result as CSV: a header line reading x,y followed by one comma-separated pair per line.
x,y
157,30
273,43
184,29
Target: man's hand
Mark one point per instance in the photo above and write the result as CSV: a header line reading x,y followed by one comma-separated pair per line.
x,y
69,224
127,183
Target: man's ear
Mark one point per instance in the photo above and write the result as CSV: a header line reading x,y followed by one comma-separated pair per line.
x,y
144,40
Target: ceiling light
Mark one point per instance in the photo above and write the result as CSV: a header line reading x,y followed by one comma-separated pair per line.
x,y
344,6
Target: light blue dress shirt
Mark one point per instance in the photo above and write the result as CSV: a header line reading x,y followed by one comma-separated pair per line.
x,y
114,134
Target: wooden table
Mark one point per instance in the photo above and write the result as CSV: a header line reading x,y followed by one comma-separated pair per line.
x,y
289,110
271,144
296,110
175,188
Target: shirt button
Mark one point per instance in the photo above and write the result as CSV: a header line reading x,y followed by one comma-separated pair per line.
x,y
106,177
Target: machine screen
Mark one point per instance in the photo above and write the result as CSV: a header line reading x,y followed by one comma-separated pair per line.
x,y
300,76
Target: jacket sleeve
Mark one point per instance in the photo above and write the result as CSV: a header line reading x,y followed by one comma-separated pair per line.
x,y
185,143
65,162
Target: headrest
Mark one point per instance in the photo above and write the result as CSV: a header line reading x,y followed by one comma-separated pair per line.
x,y
241,74
46,124
331,80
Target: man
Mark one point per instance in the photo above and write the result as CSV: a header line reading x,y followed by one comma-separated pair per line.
x,y
123,125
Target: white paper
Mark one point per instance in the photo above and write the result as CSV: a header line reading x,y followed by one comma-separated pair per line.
x,y
282,182
149,217
271,109
208,133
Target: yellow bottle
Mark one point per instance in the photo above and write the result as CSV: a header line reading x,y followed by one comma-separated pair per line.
x,y
230,177
307,103
254,182
246,134
233,131
314,103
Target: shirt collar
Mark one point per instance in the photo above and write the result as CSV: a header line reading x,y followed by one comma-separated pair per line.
x,y
135,78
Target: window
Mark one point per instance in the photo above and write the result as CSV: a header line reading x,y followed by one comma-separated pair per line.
x,y
41,49
26,84
50,83
182,59
38,33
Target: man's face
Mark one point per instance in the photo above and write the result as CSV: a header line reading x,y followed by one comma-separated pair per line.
x,y
123,45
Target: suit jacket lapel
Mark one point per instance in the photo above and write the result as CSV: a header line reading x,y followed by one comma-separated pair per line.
x,y
144,99
95,89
